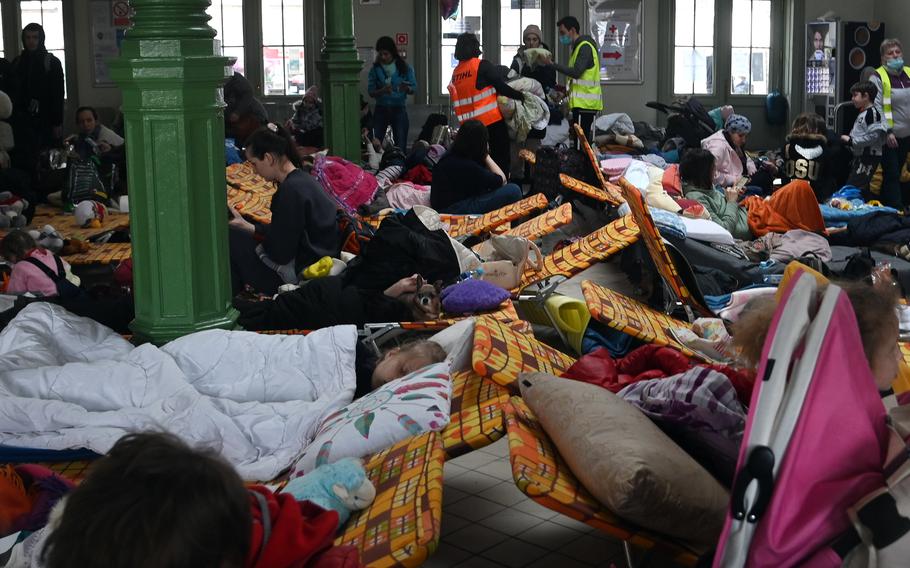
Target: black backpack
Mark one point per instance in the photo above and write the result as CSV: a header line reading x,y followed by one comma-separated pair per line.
x,y
66,290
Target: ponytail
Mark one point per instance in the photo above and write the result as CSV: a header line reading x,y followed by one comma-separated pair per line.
x,y
273,139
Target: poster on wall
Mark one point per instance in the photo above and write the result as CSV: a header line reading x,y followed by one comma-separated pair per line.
x,y
110,20
616,25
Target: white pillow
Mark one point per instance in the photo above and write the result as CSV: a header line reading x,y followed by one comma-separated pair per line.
x,y
405,407
458,343
707,230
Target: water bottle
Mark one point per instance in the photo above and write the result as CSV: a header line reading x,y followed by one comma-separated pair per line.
x,y
476,273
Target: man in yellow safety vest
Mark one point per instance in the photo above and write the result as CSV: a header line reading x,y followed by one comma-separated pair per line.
x,y
583,72
893,102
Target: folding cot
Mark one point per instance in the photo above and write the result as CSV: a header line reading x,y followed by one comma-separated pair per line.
x,y
678,290
541,474
65,223
402,525
249,192
105,253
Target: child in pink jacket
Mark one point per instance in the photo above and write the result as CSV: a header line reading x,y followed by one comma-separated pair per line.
x,y
18,247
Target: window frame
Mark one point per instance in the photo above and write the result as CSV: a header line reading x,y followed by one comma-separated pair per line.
x,y
242,46
778,73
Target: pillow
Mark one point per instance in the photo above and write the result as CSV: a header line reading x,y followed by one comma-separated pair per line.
x,y
669,224
671,181
471,296
626,462
402,408
655,195
707,230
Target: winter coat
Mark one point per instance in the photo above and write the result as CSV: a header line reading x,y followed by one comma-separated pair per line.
x,y
809,158
727,161
728,215
40,78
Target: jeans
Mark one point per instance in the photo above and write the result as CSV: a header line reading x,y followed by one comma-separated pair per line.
x,y
479,204
894,193
397,118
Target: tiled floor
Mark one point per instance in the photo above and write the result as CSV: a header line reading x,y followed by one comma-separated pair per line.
x,y
488,522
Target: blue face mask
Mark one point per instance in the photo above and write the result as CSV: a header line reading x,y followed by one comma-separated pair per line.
x,y
895,64
565,40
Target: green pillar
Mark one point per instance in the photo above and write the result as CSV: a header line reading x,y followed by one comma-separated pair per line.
x,y
339,69
171,74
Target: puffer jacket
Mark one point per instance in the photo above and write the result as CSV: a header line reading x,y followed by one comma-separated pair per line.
x,y
727,162
808,158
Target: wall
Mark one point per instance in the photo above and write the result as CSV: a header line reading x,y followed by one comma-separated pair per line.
x,y
894,12
371,22
107,99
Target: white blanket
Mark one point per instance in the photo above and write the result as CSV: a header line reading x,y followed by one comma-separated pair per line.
x,y
69,382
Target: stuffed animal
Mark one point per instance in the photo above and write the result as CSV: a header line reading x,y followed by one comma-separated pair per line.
x,y
341,486
90,213
49,238
11,206
7,141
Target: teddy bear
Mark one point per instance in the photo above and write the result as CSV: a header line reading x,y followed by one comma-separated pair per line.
x,y
341,486
11,208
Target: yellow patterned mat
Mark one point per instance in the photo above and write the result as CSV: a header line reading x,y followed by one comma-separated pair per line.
x,y
502,353
65,223
528,156
657,250
616,197
249,193
463,225
106,253
632,317
541,474
476,417
539,226
577,256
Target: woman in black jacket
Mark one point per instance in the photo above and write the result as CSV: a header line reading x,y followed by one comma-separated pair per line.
x,y
807,155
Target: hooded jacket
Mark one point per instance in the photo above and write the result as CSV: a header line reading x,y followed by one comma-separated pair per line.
x,y
728,164
808,157
40,78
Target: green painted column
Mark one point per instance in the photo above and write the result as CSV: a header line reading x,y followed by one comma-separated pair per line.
x,y
339,70
171,75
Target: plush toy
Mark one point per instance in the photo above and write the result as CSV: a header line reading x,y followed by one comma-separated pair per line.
x,y
11,206
49,238
88,212
7,141
341,486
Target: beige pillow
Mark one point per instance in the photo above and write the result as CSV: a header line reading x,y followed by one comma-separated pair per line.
x,y
626,462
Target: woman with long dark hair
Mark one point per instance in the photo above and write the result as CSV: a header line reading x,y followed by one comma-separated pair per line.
x,y
467,180
303,227
390,82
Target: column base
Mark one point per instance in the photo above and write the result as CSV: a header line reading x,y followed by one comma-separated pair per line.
x,y
159,333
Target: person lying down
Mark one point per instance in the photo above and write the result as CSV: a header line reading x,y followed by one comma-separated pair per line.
x,y
257,400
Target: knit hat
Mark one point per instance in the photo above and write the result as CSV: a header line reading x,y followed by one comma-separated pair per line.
x,y
738,124
532,30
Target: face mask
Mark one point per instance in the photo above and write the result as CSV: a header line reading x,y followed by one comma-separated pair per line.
x,y
565,40
895,64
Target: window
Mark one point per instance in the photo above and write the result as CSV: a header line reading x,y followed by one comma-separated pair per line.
x,y
227,19
468,18
751,47
515,16
48,13
283,47
693,57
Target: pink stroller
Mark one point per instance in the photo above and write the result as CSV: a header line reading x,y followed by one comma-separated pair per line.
x,y
815,440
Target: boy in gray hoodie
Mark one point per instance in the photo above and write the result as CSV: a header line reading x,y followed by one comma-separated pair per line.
x,y
866,138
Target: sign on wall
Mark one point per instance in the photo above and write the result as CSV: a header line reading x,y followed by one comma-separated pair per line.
x,y
616,25
110,20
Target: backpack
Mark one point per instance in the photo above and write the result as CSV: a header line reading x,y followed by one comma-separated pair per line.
x,y
83,183
66,290
355,234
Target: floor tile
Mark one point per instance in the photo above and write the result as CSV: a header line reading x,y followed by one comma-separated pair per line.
x,y
473,460
474,508
590,549
532,508
505,494
452,523
499,448
549,535
511,522
572,523
556,560
514,553
472,482
500,469
452,470
479,562
447,556
475,538
451,495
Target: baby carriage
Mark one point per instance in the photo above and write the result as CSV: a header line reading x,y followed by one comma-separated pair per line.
x,y
689,121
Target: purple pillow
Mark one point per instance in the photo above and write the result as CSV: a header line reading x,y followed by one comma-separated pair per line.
x,y
472,296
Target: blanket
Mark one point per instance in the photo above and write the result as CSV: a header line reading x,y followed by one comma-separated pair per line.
x,y
68,382
791,207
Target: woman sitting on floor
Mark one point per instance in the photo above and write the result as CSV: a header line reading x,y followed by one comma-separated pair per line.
x,y
467,180
728,148
303,228
793,206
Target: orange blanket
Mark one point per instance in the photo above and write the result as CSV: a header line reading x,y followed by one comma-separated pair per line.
x,y
793,206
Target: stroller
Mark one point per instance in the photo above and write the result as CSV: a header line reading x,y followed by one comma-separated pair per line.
x,y
689,121
814,443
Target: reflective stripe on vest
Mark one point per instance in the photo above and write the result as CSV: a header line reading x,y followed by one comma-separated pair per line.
x,y
585,92
469,101
887,111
